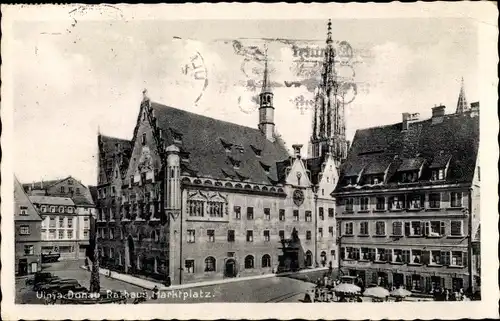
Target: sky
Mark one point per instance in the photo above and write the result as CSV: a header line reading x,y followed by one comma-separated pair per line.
x,y
72,79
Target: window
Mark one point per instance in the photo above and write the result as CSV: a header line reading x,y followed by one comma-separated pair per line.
x,y
353,253
398,256
380,228
61,209
295,215
434,200
52,222
320,232
397,228
70,210
266,261
143,139
210,264
416,228
363,228
308,235
249,263
23,210
191,236
62,189
44,208
85,233
434,228
396,203
415,202
381,255
406,256
189,266
308,216
456,228
380,203
456,199
331,212
349,205
70,234
211,235
29,250
249,213
281,234
282,215
416,256
457,258
52,234
321,214
365,254
196,208
249,236
266,236
77,190
348,228
435,257
61,222
24,230
61,234
364,203
70,190
70,222
230,235
237,212
437,174
330,230
267,214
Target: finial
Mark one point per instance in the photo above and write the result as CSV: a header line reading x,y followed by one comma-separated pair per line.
x,y
145,95
329,33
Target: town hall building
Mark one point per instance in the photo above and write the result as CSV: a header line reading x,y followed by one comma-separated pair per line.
x,y
192,198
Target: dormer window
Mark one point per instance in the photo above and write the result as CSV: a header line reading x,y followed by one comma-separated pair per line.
x,y
409,177
236,163
437,174
23,210
227,146
258,152
265,167
239,148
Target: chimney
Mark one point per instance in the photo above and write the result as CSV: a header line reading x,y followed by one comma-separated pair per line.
x,y
408,119
296,150
438,114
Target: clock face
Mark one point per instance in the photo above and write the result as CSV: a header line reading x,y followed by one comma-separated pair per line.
x,y
298,197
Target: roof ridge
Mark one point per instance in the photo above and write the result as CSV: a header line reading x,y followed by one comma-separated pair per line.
x,y
201,116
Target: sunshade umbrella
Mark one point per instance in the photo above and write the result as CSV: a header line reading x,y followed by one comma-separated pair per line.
x,y
400,293
376,292
347,288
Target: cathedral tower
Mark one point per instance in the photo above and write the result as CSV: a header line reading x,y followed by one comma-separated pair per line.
x,y
462,105
328,132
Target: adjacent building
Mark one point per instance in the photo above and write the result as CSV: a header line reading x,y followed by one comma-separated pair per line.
x,y
66,207
194,198
27,233
408,202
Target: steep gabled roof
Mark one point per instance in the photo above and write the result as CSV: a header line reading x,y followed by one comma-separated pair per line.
x,y
314,165
453,142
41,184
216,146
109,150
51,200
22,200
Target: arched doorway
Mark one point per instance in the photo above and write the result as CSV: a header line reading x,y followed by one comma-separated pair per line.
x,y
309,258
129,254
230,268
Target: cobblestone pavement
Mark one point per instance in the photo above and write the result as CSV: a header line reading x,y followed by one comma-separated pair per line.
x,y
275,289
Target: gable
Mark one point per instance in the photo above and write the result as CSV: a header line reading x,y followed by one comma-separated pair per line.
x,y
22,202
329,177
298,175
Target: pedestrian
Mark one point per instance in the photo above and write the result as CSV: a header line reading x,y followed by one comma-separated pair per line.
x,y
154,294
330,268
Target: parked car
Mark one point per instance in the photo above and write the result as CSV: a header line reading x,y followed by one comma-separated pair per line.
x,y
52,280
348,279
50,257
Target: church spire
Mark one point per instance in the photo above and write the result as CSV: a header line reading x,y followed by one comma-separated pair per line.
x,y
266,84
462,105
328,136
